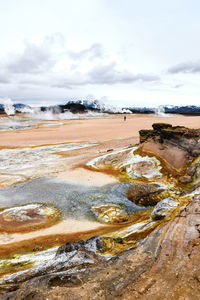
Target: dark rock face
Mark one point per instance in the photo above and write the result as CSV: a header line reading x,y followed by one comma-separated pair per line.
x,y
73,107
2,111
160,126
94,244
178,135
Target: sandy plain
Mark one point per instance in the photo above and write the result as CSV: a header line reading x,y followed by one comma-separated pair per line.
x,y
93,130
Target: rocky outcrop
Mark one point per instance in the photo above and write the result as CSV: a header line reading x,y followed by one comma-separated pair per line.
x,y
176,134
67,267
184,138
177,147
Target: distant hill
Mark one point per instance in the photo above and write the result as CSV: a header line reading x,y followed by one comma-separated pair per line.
x,y
19,107
1,109
98,106
141,110
168,109
83,106
88,104
72,107
185,110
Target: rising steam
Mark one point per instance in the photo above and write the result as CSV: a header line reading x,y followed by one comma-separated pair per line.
x,y
7,106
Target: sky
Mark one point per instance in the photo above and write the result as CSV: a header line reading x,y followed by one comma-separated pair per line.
x,y
124,52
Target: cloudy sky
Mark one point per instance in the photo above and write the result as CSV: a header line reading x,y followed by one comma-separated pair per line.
x,y
126,52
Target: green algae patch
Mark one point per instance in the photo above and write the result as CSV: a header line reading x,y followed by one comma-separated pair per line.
x,y
10,264
114,246
9,267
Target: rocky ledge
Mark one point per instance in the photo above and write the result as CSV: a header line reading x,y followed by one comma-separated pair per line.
x,y
166,132
179,136
177,147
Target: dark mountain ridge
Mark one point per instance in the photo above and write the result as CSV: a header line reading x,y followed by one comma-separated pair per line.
x,y
83,106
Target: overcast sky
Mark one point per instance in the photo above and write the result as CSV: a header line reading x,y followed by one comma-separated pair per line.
x,y
127,52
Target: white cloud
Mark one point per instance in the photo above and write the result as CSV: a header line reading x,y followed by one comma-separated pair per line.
x,y
108,47
110,74
186,67
94,51
35,58
51,64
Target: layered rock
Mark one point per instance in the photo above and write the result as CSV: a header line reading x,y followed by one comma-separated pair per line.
x,y
177,147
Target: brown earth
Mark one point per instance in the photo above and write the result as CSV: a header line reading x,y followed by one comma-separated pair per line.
x,y
110,128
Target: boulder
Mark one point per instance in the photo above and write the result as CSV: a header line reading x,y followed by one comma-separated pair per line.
x,y
146,194
185,179
163,208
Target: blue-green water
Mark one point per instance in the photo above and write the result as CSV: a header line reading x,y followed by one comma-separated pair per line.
x,y
75,201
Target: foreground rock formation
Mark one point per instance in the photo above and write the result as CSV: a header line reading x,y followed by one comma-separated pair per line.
x,y
155,252
176,146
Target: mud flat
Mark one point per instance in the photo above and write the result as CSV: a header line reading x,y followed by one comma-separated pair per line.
x,y
110,128
92,208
